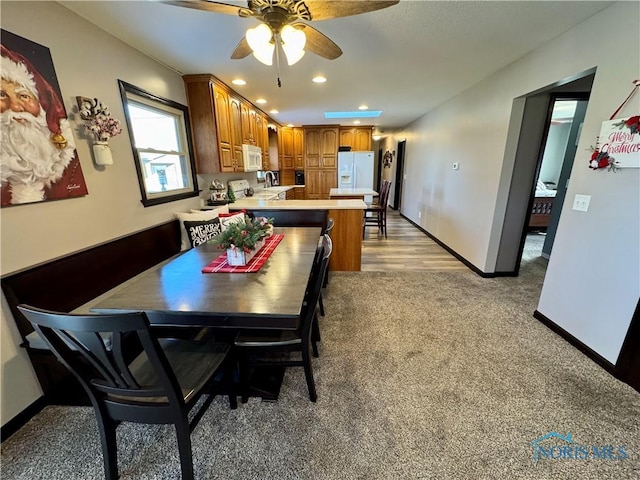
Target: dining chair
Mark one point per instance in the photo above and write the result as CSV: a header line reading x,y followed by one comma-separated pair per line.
x,y
325,248
376,213
132,375
325,281
260,343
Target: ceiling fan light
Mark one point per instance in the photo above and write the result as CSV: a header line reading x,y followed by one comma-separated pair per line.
x,y
293,42
259,39
265,55
293,56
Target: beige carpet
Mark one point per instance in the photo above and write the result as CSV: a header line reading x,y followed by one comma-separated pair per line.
x,y
421,376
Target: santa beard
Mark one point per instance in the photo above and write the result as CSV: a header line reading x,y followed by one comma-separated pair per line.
x,y
29,161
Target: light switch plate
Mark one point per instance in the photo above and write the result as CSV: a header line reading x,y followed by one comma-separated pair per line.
x,y
581,203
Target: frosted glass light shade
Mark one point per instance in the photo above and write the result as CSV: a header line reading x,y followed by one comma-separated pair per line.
x,y
293,42
259,39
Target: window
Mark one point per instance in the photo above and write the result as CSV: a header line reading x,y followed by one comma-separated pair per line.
x,y
161,142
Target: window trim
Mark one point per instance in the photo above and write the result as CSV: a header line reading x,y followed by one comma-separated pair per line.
x,y
149,200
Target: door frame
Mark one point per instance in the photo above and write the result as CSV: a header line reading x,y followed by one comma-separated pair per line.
x,y
567,163
397,192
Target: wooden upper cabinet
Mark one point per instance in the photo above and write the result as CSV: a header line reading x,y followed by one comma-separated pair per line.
x,y
298,148
312,146
235,116
347,137
286,155
358,138
221,122
223,126
362,139
287,141
203,123
329,145
249,124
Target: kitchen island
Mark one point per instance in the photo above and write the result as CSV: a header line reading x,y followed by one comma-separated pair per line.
x,y
347,216
345,193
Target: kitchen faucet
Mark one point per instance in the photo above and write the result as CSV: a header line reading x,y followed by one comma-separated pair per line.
x,y
268,182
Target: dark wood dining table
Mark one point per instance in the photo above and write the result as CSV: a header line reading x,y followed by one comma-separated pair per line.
x,y
178,293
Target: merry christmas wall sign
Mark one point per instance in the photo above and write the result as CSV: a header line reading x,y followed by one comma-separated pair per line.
x,y
618,145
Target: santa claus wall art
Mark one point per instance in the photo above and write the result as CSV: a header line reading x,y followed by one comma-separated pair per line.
x,y
38,159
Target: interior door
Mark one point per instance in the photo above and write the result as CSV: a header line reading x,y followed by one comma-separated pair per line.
x,y
397,192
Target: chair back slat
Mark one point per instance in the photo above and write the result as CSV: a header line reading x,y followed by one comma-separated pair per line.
x,y
314,288
103,369
384,197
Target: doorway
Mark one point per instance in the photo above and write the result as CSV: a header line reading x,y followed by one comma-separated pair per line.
x,y
557,152
530,119
397,192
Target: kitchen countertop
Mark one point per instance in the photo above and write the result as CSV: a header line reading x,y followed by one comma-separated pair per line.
x,y
253,203
351,192
271,193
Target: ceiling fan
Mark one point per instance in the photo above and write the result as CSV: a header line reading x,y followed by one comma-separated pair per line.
x,y
281,25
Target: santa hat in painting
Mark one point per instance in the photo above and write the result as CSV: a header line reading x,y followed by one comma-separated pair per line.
x,y
17,69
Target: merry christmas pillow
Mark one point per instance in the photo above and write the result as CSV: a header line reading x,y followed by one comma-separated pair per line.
x,y
200,232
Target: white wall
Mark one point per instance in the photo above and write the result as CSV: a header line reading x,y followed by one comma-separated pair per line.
x,y
88,62
593,279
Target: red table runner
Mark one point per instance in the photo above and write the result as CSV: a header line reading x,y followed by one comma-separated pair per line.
x,y
220,264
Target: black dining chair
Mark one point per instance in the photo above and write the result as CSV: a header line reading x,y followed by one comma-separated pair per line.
x,y
376,213
325,282
325,234
132,375
250,344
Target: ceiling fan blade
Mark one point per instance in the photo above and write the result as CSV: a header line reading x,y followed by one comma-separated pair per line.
x,y
214,7
242,50
318,42
323,10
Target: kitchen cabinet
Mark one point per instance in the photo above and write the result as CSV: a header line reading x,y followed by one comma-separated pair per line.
x,y
223,127
249,123
235,116
321,159
298,148
358,138
319,182
286,152
211,157
286,177
221,122
262,133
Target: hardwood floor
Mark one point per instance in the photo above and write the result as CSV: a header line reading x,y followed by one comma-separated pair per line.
x,y
406,248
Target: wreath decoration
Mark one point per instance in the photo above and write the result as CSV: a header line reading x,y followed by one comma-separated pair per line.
x,y
387,158
633,124
601,160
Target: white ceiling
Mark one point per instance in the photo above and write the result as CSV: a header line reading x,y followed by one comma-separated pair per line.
x,y
403,60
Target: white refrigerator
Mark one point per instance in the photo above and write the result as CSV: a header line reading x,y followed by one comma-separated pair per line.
x,y
355,170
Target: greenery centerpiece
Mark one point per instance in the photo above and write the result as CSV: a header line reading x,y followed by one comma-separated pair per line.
x,y
243,239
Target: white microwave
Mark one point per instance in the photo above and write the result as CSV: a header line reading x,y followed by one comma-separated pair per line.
x,y
252,158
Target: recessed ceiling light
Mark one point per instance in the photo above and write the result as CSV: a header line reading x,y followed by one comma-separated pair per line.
x,y
274,111
367,114
356,122
319,79
363,107
261,101
238,81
